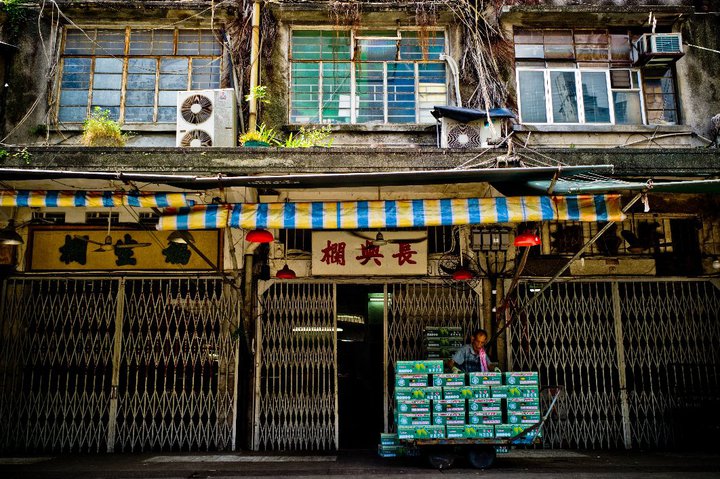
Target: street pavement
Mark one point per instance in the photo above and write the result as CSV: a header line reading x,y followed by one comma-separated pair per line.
x,y
362,464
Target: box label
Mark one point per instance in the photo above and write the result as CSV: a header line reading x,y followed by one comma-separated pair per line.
x,y
450,380
485,417
449,405
448,418
411,380
485,379
414,419
470,431
414,405
520,378
530,405
499,391
523,392
523,418
387,439
484,405
421,432
443,332
419,367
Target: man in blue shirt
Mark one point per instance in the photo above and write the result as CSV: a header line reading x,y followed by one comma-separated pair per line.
x,y
472,358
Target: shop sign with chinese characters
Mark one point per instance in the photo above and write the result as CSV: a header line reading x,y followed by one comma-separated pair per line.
x,y
357,253
86,249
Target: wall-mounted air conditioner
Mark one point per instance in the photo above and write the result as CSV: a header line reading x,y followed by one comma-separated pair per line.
x,y
206,118
657,49
470,128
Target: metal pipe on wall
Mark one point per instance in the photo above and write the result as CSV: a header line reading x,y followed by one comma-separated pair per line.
x,y
254,65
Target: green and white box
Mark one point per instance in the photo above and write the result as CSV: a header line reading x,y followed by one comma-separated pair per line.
x,y
485,379
421,432
519,378
412,380
455,343
479,392
523,418
449,405
440,353
387,439
499,391
470,431
449,380
531,392
485,417
490,404
414,419
512,430
448,419
457,392
419,367
414,405
391,451
443,332
526,405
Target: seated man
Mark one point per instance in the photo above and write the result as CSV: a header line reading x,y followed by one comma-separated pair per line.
x,y
472,358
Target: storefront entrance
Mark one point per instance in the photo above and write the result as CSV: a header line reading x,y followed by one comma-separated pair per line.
x,y
360,364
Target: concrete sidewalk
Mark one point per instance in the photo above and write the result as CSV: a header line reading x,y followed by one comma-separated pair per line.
x,y
361,464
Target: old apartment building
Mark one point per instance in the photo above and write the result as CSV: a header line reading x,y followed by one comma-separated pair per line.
x,y
179,290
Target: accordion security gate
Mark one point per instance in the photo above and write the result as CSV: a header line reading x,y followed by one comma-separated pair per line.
x,y
296,388
640,360
122,364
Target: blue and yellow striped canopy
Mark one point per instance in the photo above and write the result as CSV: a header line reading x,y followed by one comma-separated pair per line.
x,y
92,199
394,213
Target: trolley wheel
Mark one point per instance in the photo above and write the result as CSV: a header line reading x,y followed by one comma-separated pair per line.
x,y
440,461
481,457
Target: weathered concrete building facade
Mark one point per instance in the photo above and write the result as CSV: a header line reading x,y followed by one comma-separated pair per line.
x,y
439,131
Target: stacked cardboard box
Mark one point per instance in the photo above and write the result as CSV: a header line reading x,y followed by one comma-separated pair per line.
x,y
433,405
441,342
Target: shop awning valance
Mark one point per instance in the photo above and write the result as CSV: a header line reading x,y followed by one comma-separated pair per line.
x,y
395,213
92,199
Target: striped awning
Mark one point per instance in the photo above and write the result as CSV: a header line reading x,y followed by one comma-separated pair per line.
x,y
92,199
395,213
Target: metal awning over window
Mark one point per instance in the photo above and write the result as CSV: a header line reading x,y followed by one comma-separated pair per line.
x,y
92,199
394,213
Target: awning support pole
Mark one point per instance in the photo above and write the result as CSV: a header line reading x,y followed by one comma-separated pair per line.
x,y
547,285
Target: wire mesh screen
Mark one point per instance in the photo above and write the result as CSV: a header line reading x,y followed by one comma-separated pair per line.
x,y
672,356
66,387
670,334
57,350
412,307
297,374
176,389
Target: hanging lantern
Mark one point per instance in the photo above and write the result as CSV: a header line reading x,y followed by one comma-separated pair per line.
x,y
286,273
462,274
528,238
259,236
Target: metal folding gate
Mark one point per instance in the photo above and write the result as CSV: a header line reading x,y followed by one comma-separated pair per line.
x,y
640,360
123,364
296,368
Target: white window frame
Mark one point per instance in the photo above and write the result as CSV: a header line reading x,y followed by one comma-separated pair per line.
x,y
579,93
354,98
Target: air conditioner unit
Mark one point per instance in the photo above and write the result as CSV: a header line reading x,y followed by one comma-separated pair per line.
x,y
474,134
206,118
657,49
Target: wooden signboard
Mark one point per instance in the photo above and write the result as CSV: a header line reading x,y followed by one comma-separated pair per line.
x,y
85,249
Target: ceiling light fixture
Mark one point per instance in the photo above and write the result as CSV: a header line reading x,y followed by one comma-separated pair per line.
x,y
8,235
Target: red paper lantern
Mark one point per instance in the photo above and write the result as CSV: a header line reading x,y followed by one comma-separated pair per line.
x,y
286,273
259,236
527,238
462,274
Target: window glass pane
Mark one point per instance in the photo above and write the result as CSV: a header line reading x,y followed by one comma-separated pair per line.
x,y
432,89
620,48
660,101
107,81
529,51
78,43
591,45
401,92
558,44
528,36
627,107
140,95
320,45
422,45
376,49
72,114
370,94
336,93
595,97
620,79
152,42
173,74
532,96
205,73
76,73
564,97
197,42
110,42
304,103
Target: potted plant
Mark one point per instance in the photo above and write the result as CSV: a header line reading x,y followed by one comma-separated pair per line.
x,y
262,137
